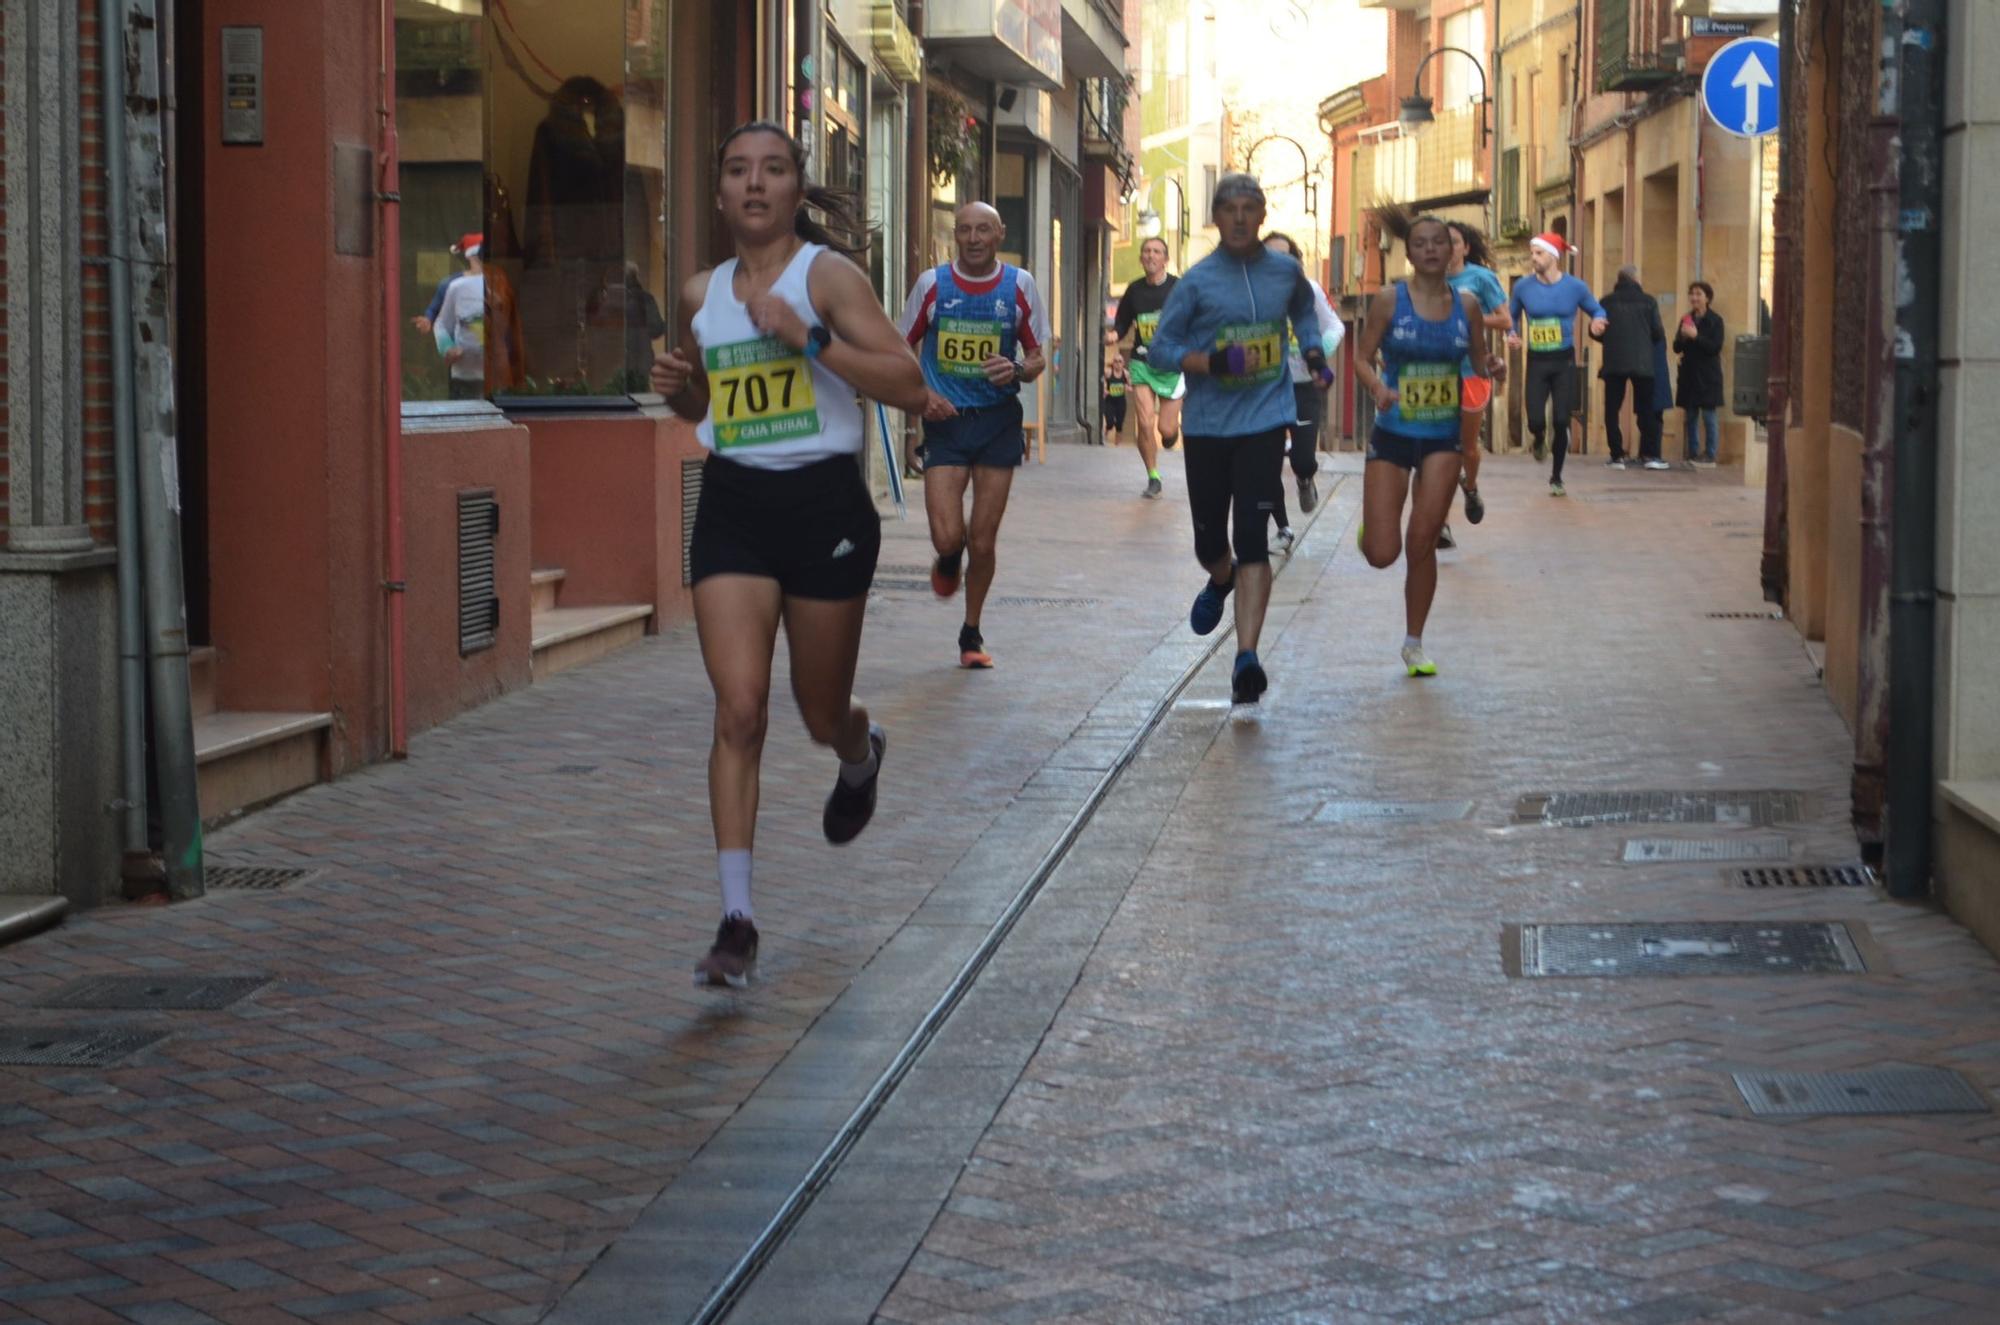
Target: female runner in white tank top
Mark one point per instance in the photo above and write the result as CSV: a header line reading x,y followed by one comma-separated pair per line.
x,y
774,344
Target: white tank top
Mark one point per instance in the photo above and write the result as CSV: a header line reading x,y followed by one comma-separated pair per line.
x,y
770,407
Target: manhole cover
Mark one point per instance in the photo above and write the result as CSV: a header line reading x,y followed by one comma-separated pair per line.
x,y
256,878
70,1046
1878,1090
1005,601
1687,948
1802,876
1584,809
1746,616
1642,850
1347,812
173,993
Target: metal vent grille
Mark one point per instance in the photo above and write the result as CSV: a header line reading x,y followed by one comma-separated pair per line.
x,y
478,593
257,878
690,503
1802,876
153,992
1687,948
70,1046
1877,1090
1583,809
1645,850
1746,616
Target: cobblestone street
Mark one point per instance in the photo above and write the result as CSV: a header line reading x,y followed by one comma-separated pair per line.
x,y
1254,1053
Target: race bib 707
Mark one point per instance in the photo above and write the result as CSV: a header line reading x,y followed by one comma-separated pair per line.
x,y
759,391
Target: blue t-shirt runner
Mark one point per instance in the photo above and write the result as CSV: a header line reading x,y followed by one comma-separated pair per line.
x,y
1543,311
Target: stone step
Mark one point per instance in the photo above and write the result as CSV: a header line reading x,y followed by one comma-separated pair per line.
x,y
244,759
566,637
545,585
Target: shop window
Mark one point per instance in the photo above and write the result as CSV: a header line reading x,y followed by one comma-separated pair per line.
x,y
541,126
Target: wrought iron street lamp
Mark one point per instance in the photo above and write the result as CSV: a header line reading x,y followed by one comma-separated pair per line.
x,y
1417,107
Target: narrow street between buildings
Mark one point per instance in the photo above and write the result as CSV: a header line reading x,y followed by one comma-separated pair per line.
x,y
1278,1040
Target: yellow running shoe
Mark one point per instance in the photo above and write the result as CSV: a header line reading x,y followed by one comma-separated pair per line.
x,y
1414,659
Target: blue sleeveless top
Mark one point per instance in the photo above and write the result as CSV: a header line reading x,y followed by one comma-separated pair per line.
x,y
1422,361
964,330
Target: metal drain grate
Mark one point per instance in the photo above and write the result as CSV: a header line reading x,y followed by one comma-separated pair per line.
x,y
1584,809
1802,876
893,584
70,1046
1878,1090
250,878
1005,601
1687,948
1746,616
172,993
1646,850
1347,812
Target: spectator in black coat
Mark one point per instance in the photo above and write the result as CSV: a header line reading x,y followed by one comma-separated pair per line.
x,y
1698,341
1632,329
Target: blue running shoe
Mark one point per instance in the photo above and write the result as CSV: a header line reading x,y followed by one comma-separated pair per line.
x,y
1206,614
1248,683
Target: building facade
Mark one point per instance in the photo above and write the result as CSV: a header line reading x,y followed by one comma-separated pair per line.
x,y
370,539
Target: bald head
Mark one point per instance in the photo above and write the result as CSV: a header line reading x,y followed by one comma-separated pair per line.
x,y
978,232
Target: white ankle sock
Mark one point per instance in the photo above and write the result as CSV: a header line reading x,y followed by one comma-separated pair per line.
x,y
1413,641
733,868
854,775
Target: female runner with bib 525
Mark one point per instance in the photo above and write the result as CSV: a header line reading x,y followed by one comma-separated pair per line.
x,y
774,344
1424,331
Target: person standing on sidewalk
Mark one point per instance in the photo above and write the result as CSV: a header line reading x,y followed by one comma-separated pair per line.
x,y
1548,303
1225,327
773,347
1156,388
460,325
1631,331
1698,340
978,326
1425,333
1307,394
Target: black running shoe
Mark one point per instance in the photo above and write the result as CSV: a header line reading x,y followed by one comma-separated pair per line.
x,y
1171,442
1445,539
1308,493
1475,505
848,809
733,959
1248,683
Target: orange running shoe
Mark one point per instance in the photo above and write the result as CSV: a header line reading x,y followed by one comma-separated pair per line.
x,y
945,575
972,652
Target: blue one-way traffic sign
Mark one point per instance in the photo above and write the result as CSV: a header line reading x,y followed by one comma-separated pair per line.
x,y
1740,87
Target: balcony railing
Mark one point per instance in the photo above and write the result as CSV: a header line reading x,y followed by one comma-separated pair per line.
x,y
1439,161
1636,71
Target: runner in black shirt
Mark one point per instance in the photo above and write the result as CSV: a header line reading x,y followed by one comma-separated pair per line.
x,y
1156,392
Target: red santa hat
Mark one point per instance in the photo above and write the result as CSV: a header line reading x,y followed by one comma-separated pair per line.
x,y
469,245
1552,244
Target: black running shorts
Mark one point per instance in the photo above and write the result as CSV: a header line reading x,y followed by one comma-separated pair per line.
x,y
1235,485
813,529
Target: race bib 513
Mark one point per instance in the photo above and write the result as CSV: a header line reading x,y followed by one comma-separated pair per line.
x,y
1428,392
1545,333
759,391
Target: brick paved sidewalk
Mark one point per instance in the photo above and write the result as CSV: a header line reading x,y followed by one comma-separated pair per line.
x,y
1292,1080
481,1055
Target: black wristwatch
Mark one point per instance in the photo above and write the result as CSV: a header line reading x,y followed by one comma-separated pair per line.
x,y
1020,369
817,339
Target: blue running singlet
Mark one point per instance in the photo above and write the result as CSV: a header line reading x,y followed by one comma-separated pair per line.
x,y
1421,362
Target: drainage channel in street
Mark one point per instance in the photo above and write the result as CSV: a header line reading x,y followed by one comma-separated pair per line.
x,y
740,1277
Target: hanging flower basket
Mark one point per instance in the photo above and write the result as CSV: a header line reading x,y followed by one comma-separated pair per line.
x,y
953,136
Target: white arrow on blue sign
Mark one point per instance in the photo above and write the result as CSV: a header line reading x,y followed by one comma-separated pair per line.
x,y
1740,87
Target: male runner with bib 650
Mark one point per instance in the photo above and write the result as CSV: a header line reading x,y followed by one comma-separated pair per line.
x,y
978,326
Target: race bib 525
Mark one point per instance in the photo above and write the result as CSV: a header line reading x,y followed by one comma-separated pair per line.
x,y
1428,392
